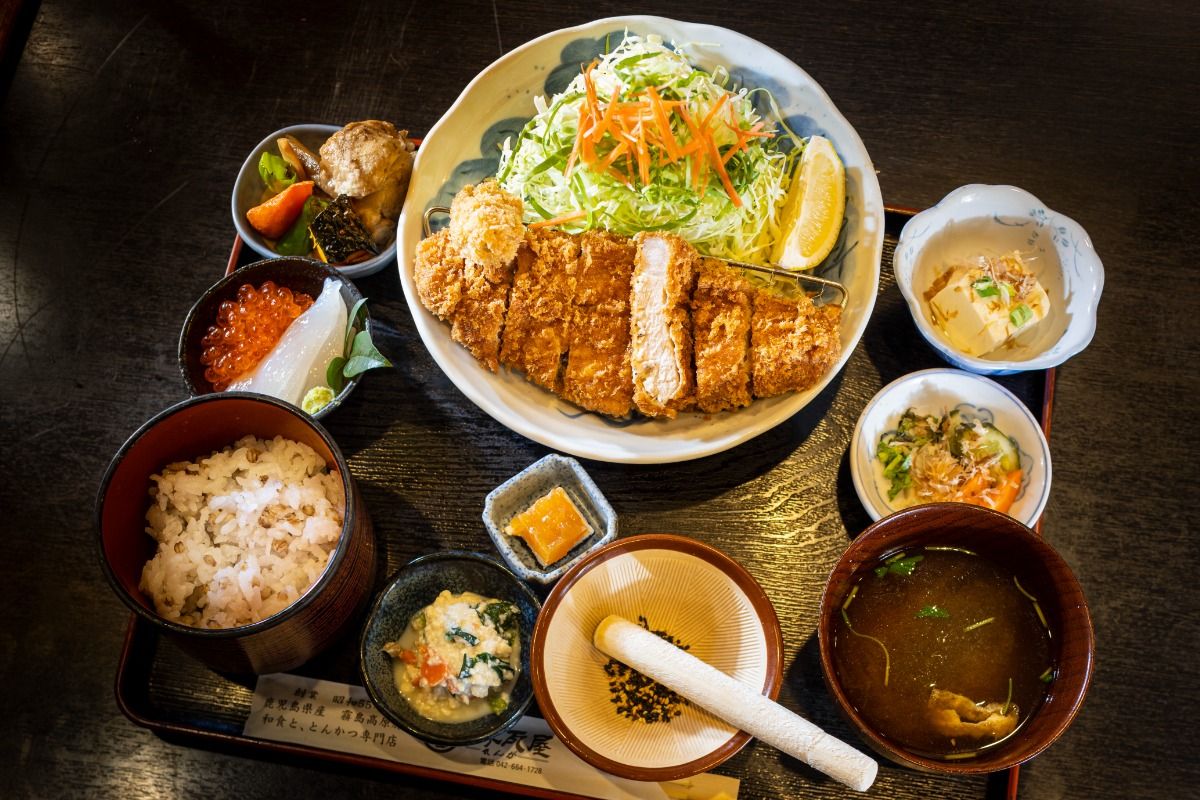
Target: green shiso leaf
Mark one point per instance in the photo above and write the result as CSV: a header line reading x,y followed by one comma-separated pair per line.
x,y
363,356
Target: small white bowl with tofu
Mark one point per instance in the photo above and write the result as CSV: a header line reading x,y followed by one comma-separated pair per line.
x,y
997,282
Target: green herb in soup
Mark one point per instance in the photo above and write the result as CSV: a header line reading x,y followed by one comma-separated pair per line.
x,y
942,651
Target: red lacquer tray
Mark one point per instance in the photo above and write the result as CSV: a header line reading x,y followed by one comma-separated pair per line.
x,y
160,688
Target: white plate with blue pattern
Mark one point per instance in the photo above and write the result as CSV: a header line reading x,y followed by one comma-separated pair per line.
x,y
464,147
937,392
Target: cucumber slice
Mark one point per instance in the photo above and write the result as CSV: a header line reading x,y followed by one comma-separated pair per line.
x,y
990,443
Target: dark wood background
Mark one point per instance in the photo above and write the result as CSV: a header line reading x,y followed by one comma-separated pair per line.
x,y
120,134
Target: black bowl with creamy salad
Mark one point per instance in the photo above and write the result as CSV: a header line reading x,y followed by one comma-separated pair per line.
x,y
445,650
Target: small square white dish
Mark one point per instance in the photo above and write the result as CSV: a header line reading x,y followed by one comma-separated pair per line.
x,y
520,491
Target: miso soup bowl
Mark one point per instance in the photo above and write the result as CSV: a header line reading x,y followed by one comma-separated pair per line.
x,y
1013,547
193,429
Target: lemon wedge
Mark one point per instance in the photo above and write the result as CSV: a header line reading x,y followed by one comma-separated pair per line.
x,y
814,208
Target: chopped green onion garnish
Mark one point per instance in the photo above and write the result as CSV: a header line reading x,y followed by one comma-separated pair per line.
x,y
933,611
1047,676
1020,315
985,287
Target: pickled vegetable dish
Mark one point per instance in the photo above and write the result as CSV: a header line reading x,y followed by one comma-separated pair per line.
x,y
957,457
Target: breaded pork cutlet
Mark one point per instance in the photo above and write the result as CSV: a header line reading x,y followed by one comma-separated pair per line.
x,y
664,272
597,375
792,343
438,275
463,295
721,329
539,310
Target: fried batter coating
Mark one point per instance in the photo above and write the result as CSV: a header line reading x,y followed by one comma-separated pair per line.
x,y
792,343
721,328
486,227
535,334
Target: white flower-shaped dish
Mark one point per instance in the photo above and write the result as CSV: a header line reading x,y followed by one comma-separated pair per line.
x,y
937,391
464,147
982,220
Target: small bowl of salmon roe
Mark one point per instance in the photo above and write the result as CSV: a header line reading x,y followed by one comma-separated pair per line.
x,y
239,320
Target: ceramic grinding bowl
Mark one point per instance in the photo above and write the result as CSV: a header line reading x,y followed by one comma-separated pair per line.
x,y
689,591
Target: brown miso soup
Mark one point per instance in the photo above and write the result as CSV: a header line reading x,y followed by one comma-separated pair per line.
x,y
942,651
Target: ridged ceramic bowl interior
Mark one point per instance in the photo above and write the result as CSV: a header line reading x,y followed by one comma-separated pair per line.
x,y
983,220
692,592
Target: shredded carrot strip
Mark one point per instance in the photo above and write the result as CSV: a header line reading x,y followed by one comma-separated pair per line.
x,y
640,132
720,167
562,220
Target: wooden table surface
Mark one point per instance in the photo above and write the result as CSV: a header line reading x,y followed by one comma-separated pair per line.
x,y
125,123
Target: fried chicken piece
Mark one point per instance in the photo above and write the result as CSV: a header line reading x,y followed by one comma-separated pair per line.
x,y
486,227
536,333
598,376
463,295
792,343
721,328
664,273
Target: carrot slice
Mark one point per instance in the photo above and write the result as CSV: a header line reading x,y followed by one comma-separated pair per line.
x,y
1006,492
273,218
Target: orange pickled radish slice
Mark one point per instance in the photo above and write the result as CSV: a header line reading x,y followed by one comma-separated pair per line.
x,y
551,526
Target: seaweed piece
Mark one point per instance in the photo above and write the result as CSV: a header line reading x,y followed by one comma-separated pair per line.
x,y
338,235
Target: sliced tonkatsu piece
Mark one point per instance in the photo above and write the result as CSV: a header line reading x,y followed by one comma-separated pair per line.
x,y
792,343
597,375
664,273
438,274
479,318
721,329
463,295
539,309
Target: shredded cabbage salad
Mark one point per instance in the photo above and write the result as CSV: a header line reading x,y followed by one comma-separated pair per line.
x,y
640,140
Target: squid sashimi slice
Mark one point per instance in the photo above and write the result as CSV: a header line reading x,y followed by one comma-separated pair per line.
x,y
300,357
